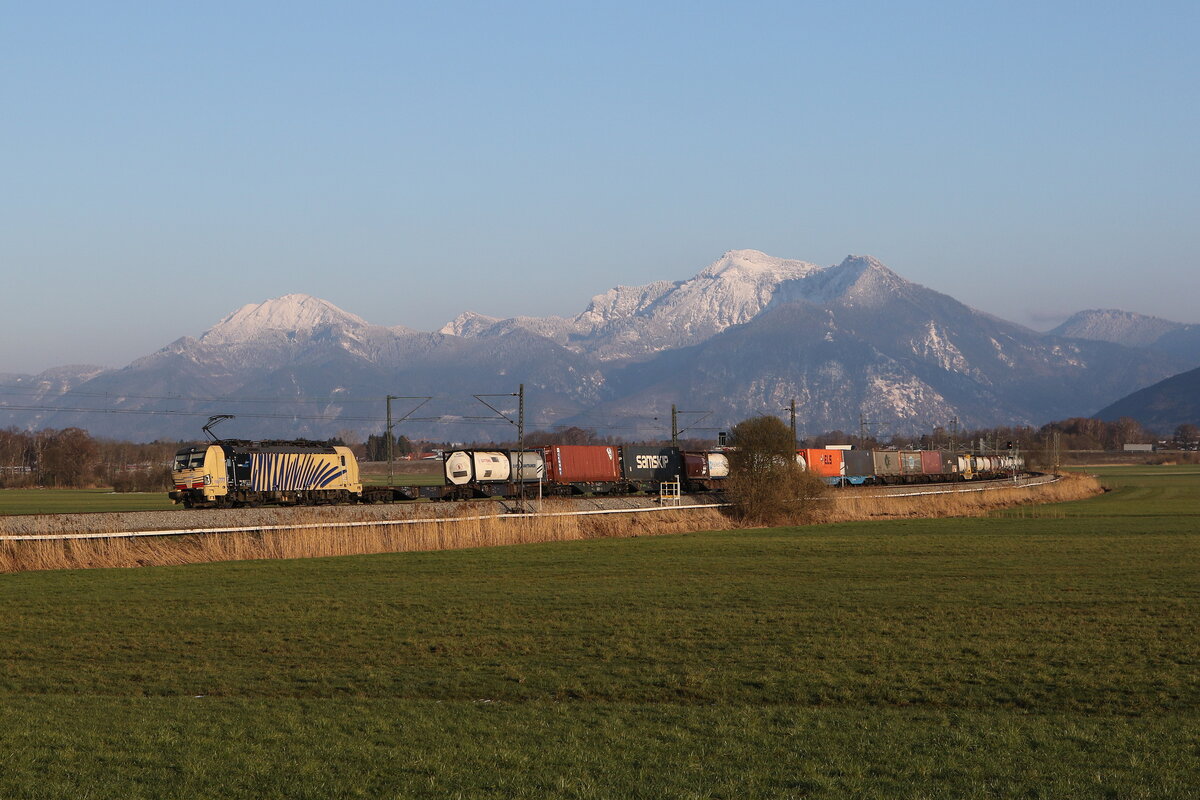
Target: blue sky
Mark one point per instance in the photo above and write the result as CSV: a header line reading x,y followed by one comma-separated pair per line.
x,y
165,164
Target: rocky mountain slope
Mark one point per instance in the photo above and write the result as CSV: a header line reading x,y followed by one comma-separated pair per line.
x,y
743,336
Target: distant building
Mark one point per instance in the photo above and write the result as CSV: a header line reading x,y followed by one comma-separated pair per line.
x,y
1139,448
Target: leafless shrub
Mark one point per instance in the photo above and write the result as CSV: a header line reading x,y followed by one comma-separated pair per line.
x,y
766,486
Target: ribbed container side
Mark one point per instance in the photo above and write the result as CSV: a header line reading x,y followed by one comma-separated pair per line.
x,y
933,462
695,465
826,463
887,462
910,462
646,463
858,463
582,463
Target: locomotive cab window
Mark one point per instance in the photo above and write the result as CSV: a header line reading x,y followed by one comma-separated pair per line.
x,y
189,460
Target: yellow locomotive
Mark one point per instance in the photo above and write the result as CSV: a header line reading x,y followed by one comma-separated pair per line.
x,y
243,473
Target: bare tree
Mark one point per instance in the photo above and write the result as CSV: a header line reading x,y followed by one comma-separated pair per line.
x,y
766,485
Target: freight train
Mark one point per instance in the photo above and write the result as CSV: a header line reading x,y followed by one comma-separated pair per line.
x,y
243,473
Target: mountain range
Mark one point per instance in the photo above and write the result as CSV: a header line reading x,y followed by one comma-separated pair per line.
x,y
850,342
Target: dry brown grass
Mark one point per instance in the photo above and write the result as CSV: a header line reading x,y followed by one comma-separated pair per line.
x,y
469,531
868,503
321,541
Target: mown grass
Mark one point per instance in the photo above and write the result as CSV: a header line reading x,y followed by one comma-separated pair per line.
x,y
78,501
1054,656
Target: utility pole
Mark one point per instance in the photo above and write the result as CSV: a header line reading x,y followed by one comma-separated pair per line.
x,y
953,433
520,423
521,447
864,430
391,425
793,421
676,430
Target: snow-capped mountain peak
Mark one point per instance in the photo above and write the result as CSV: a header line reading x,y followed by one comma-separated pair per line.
x,y
292,313
755,264
468,324
636,320
1120,327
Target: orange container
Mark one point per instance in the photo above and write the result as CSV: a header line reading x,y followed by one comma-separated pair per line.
x,y
826,463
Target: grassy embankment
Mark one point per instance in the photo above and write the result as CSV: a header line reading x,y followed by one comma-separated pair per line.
x,y
462,527
1047,652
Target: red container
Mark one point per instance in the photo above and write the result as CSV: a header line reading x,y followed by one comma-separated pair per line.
x,y
826,463
695,465
582,463
931,462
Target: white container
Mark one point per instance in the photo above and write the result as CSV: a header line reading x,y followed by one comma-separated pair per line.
x,y
718,465
481,466
532,466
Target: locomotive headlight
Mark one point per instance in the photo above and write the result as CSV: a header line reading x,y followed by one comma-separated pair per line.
x,y
207,480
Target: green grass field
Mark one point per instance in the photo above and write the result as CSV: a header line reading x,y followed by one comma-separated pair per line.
x,y
1039,654
79,501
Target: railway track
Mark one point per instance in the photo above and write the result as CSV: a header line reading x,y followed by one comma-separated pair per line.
x,y
219,521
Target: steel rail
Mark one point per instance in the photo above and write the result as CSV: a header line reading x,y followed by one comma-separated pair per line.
x,y
472,518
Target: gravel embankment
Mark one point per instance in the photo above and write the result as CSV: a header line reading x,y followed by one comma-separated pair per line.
x,y
191,519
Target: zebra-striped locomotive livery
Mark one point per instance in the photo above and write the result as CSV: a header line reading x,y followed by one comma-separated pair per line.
x,y
237,473
286,472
